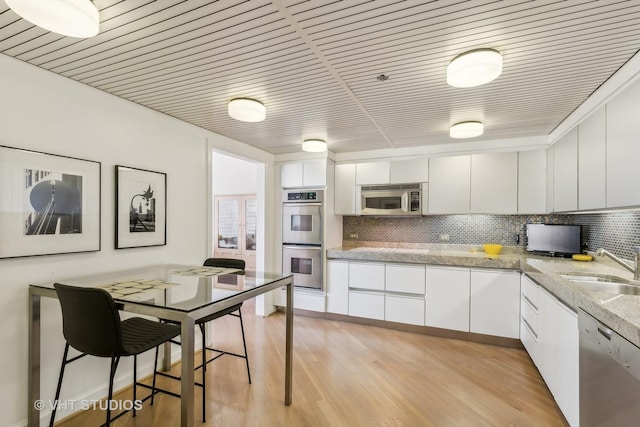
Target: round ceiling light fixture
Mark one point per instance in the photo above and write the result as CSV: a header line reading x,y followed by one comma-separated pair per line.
x,y
464,130
73,18
474,68
314,146
247,110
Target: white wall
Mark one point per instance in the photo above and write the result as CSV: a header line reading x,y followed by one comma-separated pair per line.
x,y
45,112
232,175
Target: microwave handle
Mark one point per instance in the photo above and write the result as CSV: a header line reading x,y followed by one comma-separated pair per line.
x,y
358,200
404,201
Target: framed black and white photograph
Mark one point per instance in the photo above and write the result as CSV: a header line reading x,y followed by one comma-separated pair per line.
x,y
49,204
141,208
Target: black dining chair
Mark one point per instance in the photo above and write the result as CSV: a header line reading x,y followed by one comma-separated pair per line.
x,y
91,324
234,311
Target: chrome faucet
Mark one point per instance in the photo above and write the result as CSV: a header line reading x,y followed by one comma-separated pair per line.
x,y
635,268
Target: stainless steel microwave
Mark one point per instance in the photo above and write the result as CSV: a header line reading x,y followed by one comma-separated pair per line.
x,y
391,200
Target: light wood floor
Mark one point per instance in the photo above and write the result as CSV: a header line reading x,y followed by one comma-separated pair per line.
x,y
354,375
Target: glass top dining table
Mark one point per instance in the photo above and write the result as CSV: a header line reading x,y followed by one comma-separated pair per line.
x,y
182,293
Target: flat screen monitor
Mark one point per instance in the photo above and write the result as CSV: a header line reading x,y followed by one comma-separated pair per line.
x,y
552,239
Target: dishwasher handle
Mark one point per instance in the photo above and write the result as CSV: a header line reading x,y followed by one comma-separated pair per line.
x,y
605,332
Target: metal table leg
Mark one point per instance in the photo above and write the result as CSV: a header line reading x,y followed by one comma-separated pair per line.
x,y
289,345
187,382
34,359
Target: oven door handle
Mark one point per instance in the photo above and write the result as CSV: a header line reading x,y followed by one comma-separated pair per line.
x,y
303,247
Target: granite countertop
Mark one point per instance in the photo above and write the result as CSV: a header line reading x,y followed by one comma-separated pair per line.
x,y
619,312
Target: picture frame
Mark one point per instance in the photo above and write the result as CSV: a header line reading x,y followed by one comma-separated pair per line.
x,y
141,208
49,204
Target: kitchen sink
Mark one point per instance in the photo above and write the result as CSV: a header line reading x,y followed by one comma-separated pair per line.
x,y
604,283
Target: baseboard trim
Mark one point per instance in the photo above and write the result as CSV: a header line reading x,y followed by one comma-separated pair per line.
x,y
424,330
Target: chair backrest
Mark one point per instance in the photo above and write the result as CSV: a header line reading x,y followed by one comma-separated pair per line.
x,y
90,320
225,263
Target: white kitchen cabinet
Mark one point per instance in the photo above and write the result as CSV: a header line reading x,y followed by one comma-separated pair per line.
x,y
366,290
495,303
404,298
404,309
345,189
409,171
372,173
312,173
447,298
557,353
337,286
565,172
529,328
494,183
449,185
623,149
409,279
367,275
366,304
550,168
591,161
532,178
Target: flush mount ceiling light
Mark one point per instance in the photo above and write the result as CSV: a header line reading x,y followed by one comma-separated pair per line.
x,y
314,146
474,68
73,18
466,130
247,110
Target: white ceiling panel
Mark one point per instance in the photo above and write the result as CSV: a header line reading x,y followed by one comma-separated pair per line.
x,y
314,64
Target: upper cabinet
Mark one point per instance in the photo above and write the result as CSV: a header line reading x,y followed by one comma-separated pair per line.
x,y
623,149
532,177
565,172
409,171
591,161
449,185
480,183
372,173
311,173
345,191
494,183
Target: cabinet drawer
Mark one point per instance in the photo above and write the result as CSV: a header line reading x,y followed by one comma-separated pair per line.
x,y
529,315
529,290
366,304
408,279
404,310
366,275
529,341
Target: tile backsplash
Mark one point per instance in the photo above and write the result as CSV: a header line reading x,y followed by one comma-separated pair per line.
x,y
617,231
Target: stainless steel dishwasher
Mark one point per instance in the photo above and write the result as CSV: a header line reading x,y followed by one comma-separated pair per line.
x,y
609,376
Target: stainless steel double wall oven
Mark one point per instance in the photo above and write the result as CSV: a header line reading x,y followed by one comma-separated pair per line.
x,y
302,234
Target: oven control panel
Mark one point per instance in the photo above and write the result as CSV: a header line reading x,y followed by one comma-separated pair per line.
x,y
303,196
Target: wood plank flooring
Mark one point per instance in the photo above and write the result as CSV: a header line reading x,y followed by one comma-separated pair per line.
x,y
355,375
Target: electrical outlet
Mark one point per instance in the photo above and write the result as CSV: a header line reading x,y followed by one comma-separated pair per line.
x,y
353,235
444,237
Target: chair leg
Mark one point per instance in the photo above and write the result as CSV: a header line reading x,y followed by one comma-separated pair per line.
x,y
55,401
112,374
244,343
204,372
155,374
135,382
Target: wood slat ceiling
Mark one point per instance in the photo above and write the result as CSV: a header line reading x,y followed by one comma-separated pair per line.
x,y
314,64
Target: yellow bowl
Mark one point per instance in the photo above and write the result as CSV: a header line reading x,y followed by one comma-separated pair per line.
x,y
492,248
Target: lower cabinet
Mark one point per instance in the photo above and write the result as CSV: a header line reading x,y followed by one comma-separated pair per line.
x,y
404,309
549,333
338,287
447,298
495,303
367,304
